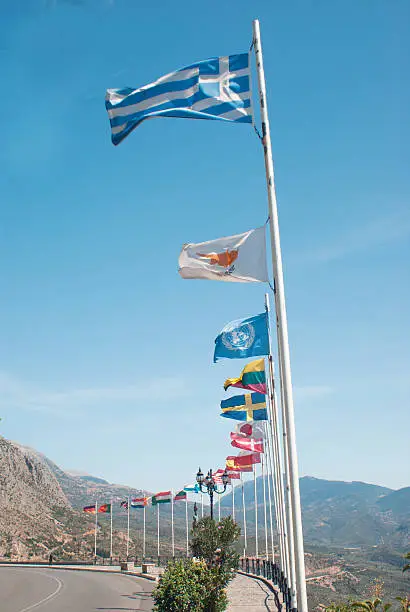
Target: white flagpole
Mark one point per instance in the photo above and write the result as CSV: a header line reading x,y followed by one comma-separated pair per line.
x,y
269,478
219,507
172,524
272,438
256,512
158,531
128,527
264,505
111,530
202,505
143,538
281,495
286,521
245,544
95,532
289,513
186,525
286,560
286,381
271,489
233,498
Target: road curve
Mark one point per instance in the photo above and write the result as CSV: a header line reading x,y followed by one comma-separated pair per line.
x,y
26,589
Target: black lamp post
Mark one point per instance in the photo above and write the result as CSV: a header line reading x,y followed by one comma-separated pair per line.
x,y
210,486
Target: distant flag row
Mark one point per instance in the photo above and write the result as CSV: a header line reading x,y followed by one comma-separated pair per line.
x,y
163,497
104,508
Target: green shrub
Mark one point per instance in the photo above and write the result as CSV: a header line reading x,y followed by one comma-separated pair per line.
x,y
188,586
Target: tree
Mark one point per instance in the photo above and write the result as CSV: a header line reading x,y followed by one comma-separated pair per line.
x,y
407,566
199,584
214,543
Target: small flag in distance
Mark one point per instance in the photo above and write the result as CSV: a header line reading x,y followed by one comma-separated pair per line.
x,y
164,497
181,495
245,443
139,502
194,488
245,460
251,429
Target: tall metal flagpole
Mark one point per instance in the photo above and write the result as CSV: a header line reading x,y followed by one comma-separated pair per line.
x,y
273,458
269,479
172,524
186,525
158,531
282,328
143,537
111,530
279,468
128,527
272,484
233,498
287,559
265,516
289,513
95,532
256,512
245,543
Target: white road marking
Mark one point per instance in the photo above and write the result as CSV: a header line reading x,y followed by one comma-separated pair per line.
x,y
51,596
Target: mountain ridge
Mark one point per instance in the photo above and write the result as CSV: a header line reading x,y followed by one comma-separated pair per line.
x,y
336,514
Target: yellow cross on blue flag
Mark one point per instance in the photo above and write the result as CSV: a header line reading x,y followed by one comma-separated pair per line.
x,y
243,338
248,407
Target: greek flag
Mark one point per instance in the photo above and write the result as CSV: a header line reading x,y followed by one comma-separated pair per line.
x,y
217,88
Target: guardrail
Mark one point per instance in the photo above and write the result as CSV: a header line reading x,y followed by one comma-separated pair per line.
x,y
270,571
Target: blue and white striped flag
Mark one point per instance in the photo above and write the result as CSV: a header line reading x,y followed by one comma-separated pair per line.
x,y
217,88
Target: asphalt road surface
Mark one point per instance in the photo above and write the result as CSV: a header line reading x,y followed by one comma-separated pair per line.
x,y
53,590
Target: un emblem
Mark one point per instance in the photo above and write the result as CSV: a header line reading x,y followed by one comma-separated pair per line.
x,y
236,338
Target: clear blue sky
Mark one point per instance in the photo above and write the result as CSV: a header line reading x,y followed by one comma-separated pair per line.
x,y
105,353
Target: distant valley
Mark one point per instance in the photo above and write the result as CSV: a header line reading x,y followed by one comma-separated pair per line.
x,y
353,531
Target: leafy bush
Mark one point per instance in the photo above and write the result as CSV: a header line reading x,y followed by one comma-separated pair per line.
x,y
189,586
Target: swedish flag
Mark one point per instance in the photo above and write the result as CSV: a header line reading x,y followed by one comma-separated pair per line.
x,y
248,407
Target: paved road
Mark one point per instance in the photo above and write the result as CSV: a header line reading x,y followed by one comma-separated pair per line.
x,y
52,590
249,595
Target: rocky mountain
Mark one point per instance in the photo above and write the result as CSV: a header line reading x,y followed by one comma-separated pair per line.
x,y
32,504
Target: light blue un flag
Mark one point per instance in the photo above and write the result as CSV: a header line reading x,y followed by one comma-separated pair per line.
x,y
243,338
217,88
